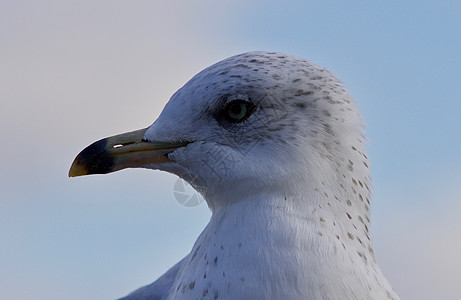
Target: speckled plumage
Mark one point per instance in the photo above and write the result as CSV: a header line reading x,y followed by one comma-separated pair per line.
x,y
289,188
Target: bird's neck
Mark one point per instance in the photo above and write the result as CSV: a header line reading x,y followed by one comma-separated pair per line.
x,y
300,222
291,250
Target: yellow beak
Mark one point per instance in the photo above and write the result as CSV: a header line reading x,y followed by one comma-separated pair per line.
x,y
127,150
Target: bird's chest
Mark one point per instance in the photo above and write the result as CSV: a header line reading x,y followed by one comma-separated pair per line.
x,y
264,256
244,264
233,271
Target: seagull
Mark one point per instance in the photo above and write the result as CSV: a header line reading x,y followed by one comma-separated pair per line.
x,y
276,146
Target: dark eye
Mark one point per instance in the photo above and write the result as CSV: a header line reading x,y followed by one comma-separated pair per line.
x,y
238,110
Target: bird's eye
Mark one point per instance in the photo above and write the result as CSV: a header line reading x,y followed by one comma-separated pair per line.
x,y
238,110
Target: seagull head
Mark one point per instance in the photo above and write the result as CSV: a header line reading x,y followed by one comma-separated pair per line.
x,y
258,122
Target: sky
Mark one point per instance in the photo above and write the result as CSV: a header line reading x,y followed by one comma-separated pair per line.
x,y
72,72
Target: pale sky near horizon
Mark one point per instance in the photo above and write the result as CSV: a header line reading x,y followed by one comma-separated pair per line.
x,y
72,72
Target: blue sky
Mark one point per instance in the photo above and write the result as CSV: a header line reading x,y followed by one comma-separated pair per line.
x,y
76,71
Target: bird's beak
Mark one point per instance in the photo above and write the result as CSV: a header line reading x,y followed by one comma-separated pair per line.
x,y
127,150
